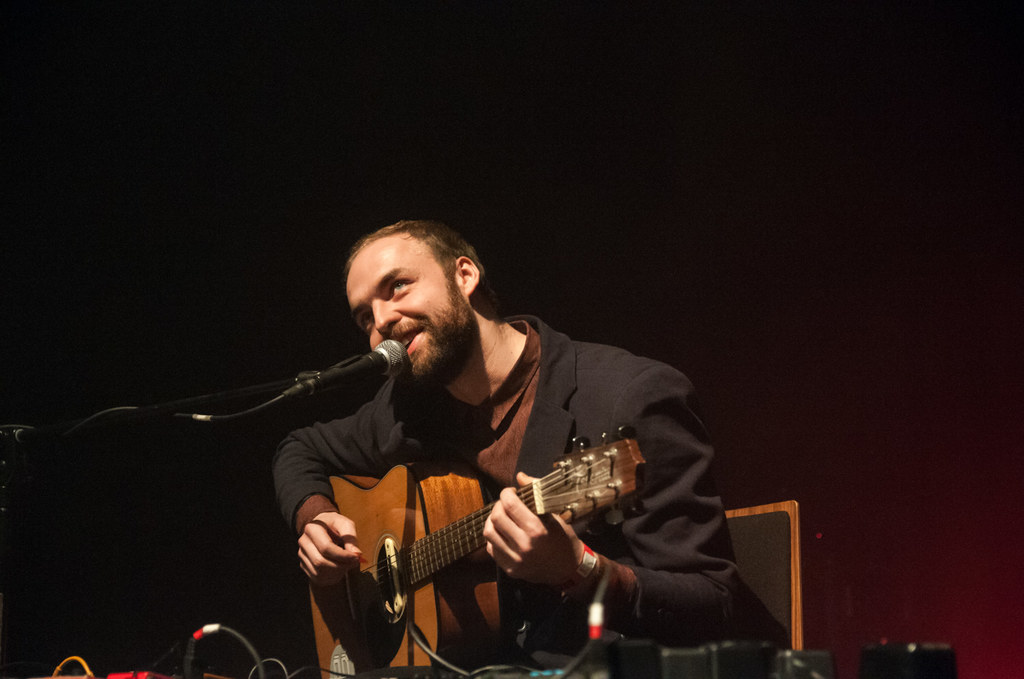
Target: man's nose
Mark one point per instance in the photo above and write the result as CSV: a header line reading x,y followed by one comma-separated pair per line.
x,y
384,317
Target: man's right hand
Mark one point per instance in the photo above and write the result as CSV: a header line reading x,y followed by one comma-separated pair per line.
x,y
328,549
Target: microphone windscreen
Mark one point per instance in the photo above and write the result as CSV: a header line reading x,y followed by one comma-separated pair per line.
x,y
396,355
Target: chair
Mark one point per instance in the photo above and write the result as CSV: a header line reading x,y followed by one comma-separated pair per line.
x,y
766,543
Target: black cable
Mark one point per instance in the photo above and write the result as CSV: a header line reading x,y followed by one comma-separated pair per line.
x,y
220,418
284,670
96,416
483,671
212,629
594,641
266,404
584,653
319,671
417,636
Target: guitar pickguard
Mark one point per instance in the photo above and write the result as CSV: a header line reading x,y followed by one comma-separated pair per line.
x,y
382,631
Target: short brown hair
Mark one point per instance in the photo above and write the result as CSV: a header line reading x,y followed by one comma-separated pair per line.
x,y
445,243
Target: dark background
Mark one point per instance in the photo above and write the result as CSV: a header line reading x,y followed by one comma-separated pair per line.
x,y
813,210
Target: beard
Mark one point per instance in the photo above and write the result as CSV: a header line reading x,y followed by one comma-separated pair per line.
x,y
452,332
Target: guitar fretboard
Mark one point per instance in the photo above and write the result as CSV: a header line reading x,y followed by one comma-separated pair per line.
x,y
583,484
442,548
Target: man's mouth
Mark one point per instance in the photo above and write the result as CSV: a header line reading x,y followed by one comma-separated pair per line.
x,y
409,338
412,342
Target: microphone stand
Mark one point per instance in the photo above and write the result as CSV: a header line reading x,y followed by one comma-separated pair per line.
x,y
16,441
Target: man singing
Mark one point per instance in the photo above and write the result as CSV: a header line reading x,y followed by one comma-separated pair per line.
x,y
507,396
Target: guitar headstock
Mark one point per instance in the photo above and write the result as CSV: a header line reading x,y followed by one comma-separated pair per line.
x,y
587,480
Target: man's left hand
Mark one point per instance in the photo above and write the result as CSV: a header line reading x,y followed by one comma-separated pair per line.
x,y
541,549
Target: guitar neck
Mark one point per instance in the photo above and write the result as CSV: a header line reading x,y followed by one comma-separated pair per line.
x,y
581,484
439,549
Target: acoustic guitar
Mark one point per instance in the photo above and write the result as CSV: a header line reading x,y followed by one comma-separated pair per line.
x,y
422,534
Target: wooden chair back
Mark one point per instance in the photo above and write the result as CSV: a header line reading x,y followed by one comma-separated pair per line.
x,y
766,543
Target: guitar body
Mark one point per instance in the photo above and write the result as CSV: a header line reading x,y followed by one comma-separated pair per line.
x,y
367,614
422,537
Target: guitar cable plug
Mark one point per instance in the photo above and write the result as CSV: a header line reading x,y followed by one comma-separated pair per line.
x,y
188,661
595,625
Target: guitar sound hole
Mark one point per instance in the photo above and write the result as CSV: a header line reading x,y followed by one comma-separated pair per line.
x,y
390,581
382,597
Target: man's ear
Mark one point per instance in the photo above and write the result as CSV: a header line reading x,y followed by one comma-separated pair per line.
x,y
467,276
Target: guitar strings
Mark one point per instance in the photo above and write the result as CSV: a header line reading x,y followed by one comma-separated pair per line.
x,y
475,520
449,552
452,552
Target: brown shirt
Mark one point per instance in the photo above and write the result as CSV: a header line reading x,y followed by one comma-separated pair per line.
x,y
499,422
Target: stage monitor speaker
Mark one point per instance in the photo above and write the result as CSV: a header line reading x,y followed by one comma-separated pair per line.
x,y
790,664
726,660
634,659
907,661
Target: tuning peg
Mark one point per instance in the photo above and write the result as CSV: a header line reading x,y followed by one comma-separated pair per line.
x,y
580,442
623,432
614,516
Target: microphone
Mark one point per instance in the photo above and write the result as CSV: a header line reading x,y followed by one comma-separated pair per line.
x,y
388,358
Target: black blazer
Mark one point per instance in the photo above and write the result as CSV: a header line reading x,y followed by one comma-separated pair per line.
x,y
676,543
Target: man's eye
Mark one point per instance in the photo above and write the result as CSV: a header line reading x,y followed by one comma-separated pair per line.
x,y
399,285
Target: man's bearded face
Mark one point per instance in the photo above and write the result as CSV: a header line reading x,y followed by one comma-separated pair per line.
x,y
450,333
